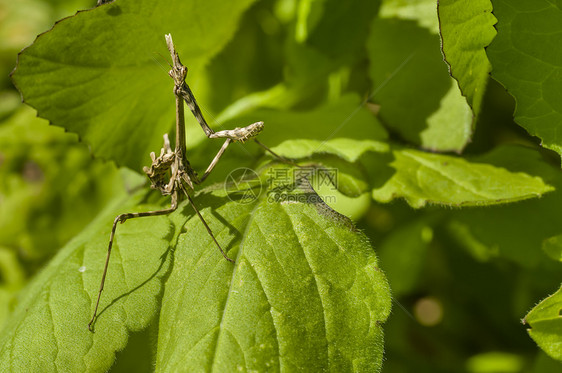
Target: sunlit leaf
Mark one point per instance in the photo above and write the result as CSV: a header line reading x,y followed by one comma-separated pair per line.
x,y
423,178
303,273
490,231
545,323
466,29
99,73
304,293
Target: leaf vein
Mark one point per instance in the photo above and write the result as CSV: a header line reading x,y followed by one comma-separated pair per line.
x,y
315,276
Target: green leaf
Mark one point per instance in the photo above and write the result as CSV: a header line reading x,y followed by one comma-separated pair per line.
x,y
467,27
341,184
490,232
422,178
407,71
98,74
305,292
545,321
337,28
349,149
48,331
326,36
525,59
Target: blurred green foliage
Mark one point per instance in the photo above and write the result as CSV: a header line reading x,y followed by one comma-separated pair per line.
x,y
462,278
50,186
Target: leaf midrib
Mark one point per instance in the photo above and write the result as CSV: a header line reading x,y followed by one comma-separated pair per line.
x,y
250,220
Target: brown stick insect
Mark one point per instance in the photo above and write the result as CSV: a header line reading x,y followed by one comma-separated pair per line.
x,y
171,172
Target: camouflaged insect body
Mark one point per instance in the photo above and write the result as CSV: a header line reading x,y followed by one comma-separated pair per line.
x,y
160,170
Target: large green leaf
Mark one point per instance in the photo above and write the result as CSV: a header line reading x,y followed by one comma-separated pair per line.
x,y
545,323
305,290
526,60
467,27
98,73
417,97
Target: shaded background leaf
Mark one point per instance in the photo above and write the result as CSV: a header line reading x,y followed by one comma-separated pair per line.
x,y
404,54
526,61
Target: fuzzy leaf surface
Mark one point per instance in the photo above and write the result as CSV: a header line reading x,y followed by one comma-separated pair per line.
x,y
305,292
545,321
